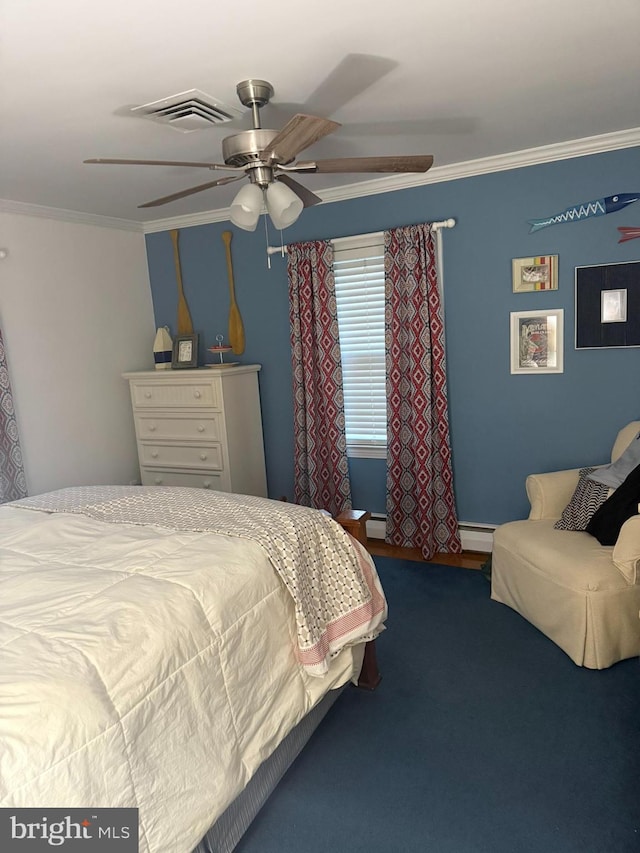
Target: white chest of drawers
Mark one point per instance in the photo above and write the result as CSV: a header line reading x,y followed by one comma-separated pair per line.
x,y
200,428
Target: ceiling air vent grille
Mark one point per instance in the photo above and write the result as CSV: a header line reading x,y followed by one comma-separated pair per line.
x,y
187,111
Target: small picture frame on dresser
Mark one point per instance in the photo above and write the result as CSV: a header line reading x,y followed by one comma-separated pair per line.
x,y
185,351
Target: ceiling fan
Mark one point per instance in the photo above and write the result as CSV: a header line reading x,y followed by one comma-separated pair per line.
x,y
268,159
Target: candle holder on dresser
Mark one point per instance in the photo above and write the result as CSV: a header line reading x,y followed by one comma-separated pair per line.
x,y
219,350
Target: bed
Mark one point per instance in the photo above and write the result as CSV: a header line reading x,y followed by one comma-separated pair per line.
x,y
161,648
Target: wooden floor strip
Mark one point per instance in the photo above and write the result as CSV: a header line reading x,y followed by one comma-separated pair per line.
x,y
466,560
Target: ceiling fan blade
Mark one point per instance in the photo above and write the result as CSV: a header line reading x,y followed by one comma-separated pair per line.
x,y
175,196
306,196
299,133
426,127
353,75
409,163
103,161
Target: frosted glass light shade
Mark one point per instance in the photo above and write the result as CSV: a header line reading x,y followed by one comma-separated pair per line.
x,y
246,207
283,204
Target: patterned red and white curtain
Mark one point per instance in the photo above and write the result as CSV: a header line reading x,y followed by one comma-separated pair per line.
x,y
420,498
12,480
321,466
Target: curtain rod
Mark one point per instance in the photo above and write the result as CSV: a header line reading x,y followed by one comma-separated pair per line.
x,y
444,223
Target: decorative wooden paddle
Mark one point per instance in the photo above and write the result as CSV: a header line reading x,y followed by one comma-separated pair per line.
x,y
236,329
185,326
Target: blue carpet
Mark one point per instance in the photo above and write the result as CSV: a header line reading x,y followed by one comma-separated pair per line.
x,y
483,737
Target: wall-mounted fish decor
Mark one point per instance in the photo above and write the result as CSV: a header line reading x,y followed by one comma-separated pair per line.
x,y
628,233
599,207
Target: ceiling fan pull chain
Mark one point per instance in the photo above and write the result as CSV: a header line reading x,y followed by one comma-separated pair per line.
x,y
266,239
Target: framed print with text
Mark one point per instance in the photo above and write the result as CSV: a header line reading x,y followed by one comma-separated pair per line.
x,y
537,341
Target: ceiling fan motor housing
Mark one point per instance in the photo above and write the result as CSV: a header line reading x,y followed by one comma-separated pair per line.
x,y
245,148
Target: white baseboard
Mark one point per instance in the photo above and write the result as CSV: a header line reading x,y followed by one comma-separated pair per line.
x,y
376,527
474,537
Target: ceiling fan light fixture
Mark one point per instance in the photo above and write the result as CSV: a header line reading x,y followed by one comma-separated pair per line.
x,y
247,207
283,204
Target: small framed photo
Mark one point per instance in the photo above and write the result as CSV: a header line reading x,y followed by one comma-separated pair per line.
x,y
613,306
185,351
537,341
538,273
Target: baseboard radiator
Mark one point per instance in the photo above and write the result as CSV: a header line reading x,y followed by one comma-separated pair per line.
x,y
474,537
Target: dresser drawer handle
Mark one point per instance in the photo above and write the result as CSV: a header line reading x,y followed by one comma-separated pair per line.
x,y
158,481
200,428
206,484
147,394
155,454
197,395
203,456
152,427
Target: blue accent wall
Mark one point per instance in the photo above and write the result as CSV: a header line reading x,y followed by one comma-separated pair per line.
x,y
503,426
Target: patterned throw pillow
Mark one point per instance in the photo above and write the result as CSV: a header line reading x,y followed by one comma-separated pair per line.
x,y
587,498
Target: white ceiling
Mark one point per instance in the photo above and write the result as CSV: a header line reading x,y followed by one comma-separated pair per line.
x,y
461,80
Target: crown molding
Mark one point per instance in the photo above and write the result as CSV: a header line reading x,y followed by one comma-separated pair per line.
x,y
497,163
187,221
24,209
470,168
484,165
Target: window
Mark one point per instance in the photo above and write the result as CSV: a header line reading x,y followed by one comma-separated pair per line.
x,y
359,276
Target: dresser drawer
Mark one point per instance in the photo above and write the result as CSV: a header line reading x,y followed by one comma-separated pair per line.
x,y
179,428
179,394
182,456
214,481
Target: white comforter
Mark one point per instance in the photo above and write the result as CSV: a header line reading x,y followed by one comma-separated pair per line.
x,y
144,667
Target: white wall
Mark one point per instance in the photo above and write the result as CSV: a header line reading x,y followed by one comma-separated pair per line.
x,y
75,313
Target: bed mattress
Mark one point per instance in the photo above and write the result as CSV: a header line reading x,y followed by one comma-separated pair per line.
x,y
145,666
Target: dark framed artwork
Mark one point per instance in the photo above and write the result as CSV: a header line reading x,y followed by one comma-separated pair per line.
x,y
608,305
185,351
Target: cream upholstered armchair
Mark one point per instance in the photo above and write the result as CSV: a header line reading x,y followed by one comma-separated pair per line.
x,y
582,595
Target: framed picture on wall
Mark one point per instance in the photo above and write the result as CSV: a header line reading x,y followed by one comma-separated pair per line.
x,y
608,306
537,341
537,273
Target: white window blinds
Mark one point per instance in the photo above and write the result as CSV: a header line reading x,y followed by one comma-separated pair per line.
x,y
359,278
